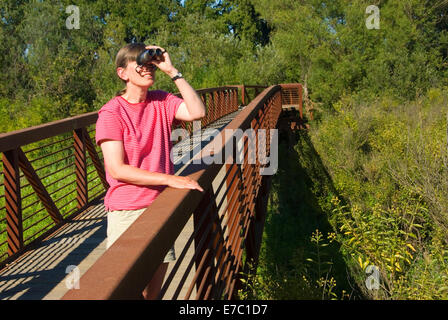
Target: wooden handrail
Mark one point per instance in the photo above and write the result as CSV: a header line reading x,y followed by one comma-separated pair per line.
x,y
12,140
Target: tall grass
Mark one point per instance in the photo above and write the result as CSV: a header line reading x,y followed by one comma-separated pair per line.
x,y
388,160
299,258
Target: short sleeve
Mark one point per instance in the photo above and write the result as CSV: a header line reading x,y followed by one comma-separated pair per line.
x,y
108,126
172,103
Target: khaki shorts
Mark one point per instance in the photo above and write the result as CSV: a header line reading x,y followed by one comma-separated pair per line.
x,y
119,221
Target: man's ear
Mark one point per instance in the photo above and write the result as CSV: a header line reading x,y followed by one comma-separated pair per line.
x,y
121,72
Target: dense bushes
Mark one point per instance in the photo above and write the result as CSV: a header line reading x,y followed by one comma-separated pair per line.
x,y
388,161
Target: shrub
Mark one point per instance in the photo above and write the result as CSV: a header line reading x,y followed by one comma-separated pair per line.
x,y
388,161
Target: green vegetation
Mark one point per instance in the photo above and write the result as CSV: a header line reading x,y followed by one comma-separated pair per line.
x,y
300,258
388,161
51,72
366,185
381,203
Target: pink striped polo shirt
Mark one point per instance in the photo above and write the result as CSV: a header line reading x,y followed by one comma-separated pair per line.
x,y
145,129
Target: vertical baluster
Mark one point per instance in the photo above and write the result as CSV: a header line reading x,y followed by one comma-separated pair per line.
x,y
227,104
229,101
14,227
80,168
235,99
205,121
221,103
236,217
299,88
222,96
211,107
95,159
216,104
256,231
250,240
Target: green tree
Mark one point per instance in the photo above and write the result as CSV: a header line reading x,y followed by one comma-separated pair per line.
x,y
327,46
142,19
12,59
60,59
245,22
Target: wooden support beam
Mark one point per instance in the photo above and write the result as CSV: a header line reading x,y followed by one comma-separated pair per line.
x,y
38,187
13,201
82,196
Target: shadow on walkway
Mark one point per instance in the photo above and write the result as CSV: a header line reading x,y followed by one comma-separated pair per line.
x,y
39,274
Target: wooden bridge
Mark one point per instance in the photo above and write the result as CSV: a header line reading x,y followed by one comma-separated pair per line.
x,y
53,222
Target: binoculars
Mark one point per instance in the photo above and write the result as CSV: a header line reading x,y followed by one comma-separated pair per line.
x,y
149,55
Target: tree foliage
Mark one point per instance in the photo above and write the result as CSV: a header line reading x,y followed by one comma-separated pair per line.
x,y
327,45
323,44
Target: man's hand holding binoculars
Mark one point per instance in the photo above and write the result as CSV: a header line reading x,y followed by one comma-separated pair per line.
x,y
158,57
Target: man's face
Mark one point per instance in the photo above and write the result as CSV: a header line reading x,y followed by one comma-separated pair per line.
x,y
137,75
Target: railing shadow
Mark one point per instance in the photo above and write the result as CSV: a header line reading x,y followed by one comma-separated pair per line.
x,y
38,273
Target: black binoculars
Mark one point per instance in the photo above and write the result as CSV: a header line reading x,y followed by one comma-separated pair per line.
x,y
149,55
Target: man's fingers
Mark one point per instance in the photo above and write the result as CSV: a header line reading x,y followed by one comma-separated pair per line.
x,y
196,185
188,183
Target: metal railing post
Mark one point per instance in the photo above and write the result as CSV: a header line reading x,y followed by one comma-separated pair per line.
x,y
80,168
14,227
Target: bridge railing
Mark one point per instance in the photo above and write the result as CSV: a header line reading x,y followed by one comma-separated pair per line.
x,y
248,92
54,171
292,97
226,221
219,102
50,173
